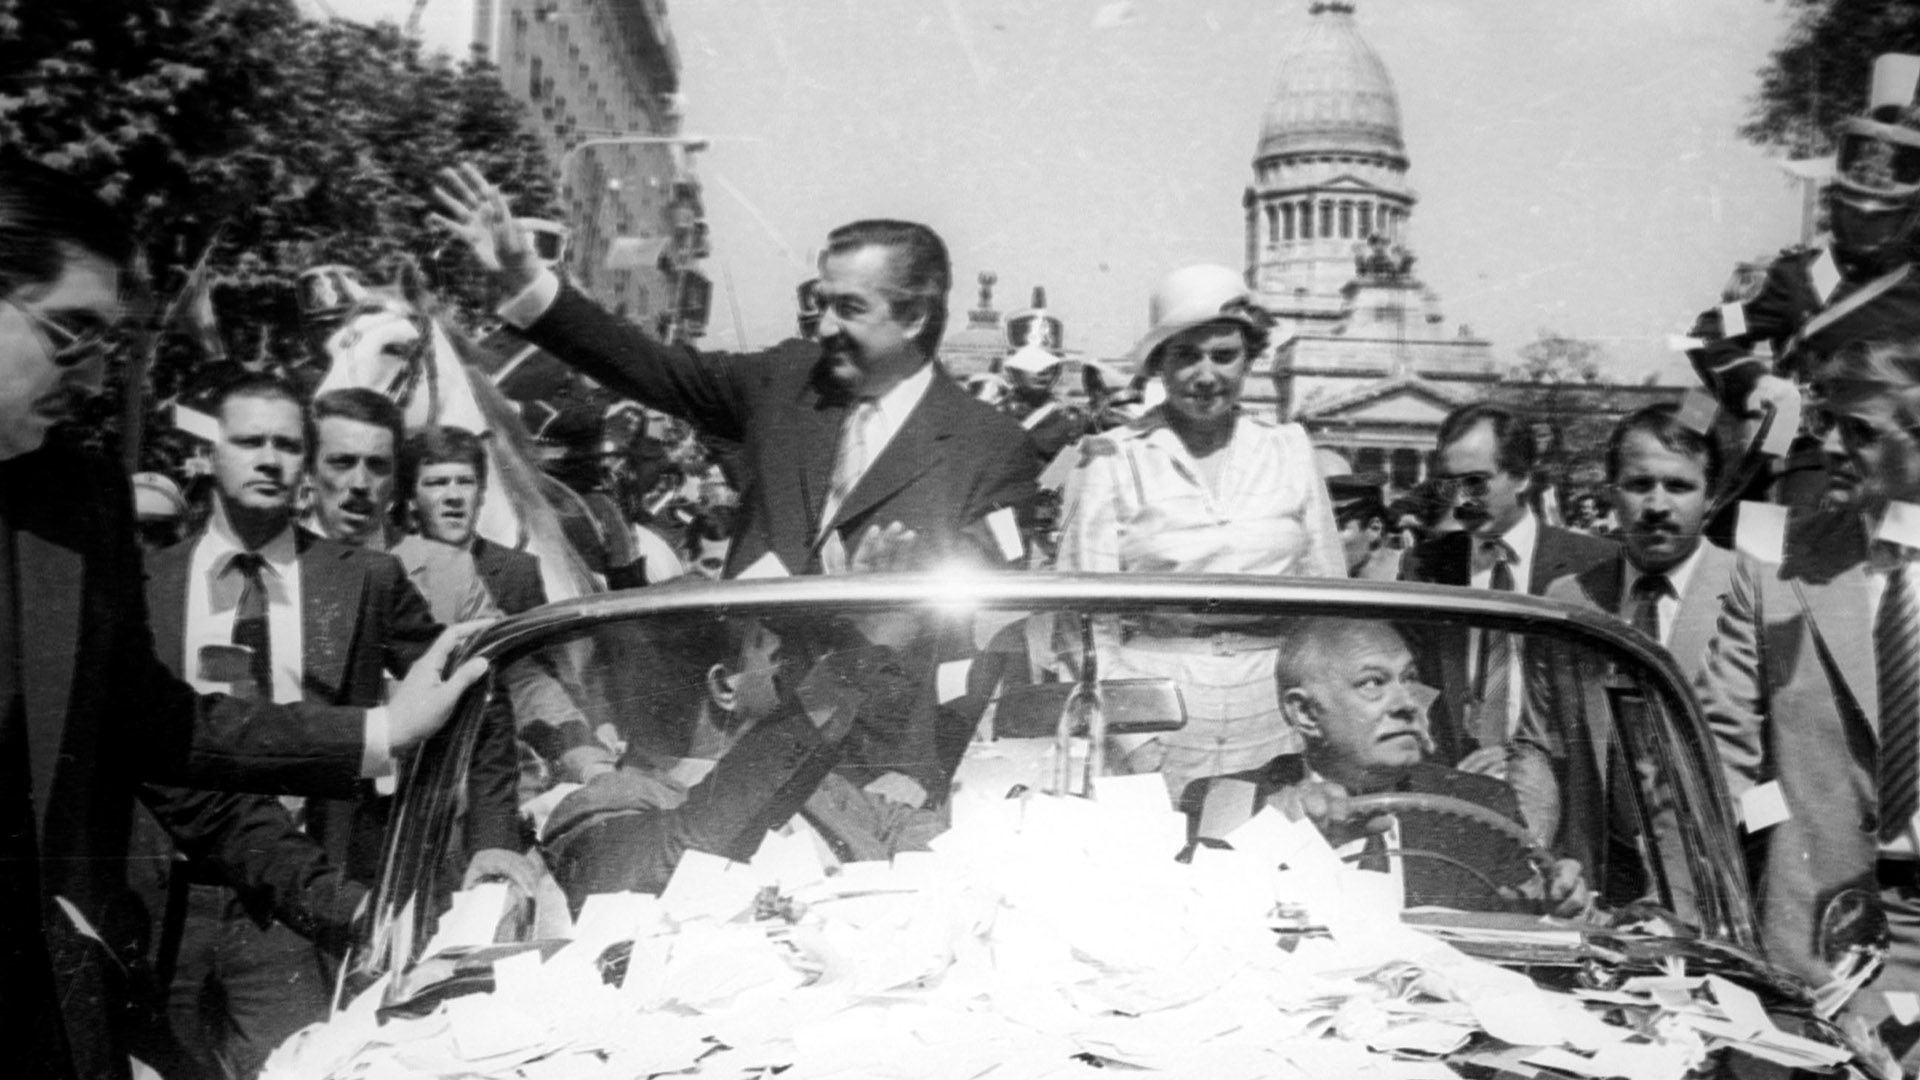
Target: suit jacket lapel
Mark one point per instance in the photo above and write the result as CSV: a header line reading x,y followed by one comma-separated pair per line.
x,y
1826,566
795,469
330,600
1550,560
167,603
53,584
912,451
1602,583
1699,611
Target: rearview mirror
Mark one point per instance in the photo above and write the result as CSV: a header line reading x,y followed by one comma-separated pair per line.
x,y
1133,706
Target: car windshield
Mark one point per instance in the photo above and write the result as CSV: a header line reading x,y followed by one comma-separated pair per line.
x,y
1110,786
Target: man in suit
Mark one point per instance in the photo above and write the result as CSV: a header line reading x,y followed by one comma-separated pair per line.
x,y
856,446
1667,582
443,475
86,709
1352,690
1484,468
443,472
256,606
1810,685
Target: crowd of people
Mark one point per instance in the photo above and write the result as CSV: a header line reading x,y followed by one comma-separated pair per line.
x,y
300,566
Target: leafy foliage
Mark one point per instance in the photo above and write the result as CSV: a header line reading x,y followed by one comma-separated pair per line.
x,y
276,142
1819,74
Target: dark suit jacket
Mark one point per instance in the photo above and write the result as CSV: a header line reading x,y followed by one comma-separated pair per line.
x,y
1427,881
102,712
954,461
512,577
1448,560
1790,694
361,619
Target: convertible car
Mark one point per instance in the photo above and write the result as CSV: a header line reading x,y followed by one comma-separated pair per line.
x,y
1039,825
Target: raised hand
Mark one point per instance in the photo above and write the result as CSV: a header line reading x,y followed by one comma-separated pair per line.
x,y
477,213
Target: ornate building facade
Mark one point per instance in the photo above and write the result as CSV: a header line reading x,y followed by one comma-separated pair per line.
x,y
1366,359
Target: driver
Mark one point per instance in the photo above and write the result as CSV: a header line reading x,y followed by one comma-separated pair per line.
x,y
1350,687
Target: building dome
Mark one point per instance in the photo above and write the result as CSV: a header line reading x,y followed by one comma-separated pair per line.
x,y
1333,93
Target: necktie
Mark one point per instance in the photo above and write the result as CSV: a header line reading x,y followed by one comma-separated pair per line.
x,y
850,462
1496,657
250,622
1896,658
1648,591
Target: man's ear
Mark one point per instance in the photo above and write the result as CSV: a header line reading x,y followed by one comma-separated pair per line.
x,y
1297,706
721,688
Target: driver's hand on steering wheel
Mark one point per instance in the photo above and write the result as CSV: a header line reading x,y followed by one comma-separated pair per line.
x,y
1330,808
1562,882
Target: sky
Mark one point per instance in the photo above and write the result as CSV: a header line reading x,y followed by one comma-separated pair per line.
x,y
1576,163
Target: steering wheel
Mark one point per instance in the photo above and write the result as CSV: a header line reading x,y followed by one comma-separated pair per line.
x,y
1481,852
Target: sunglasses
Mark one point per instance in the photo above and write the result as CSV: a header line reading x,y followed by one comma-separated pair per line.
x,y
70,347
1472,485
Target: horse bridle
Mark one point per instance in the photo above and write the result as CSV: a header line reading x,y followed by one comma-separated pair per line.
x,y
404,385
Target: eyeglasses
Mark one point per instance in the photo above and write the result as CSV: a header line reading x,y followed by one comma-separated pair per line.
x,y
70,347
1472,485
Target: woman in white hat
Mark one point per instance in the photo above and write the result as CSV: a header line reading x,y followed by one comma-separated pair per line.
x,y
1193,486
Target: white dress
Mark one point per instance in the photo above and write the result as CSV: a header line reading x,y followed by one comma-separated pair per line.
x,y
1138,502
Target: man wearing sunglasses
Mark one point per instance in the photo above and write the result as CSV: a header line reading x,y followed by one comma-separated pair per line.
x,y
86,710
1484,469
1812,687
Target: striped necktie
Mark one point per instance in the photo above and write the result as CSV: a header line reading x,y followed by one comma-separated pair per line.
x,y
1496,657
850,463
1896,659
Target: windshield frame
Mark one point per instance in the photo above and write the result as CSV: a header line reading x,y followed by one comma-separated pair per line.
x,y
1726,914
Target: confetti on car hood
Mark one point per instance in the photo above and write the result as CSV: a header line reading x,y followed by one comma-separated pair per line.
x,y
1042,938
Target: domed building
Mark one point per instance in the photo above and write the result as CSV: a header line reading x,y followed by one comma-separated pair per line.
x,y
1366,360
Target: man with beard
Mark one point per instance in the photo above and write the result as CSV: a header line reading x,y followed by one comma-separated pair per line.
x,y
1484,469
1812,683
867,455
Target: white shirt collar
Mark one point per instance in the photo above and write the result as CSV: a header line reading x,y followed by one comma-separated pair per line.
x,y
895,404
221,543
1522,537
1678,576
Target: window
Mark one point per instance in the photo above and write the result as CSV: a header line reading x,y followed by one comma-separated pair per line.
x,y
536,88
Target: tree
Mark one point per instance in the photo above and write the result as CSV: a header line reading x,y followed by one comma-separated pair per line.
x,y
1557,386
235,127
1819,74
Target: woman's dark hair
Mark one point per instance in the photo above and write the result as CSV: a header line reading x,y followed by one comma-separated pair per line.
x,y
42,210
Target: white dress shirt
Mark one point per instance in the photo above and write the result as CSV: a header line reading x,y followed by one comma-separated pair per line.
x,y
1521,540
213,595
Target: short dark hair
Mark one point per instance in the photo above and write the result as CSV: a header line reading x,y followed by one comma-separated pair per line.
x,y
265,387
439,445
1512,436
1661,421
42,210
361,404
923,274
